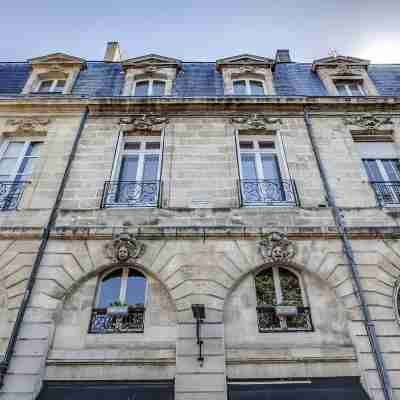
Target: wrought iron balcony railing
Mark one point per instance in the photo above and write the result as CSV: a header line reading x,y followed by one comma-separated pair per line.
x,y
268,192
10,194
131,194
104,321
387,193
269,319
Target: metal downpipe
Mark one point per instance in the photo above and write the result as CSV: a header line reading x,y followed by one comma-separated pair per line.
x,y
348,251
39,256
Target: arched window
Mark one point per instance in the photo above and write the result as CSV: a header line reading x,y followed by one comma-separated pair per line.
x,y
280,301
120,302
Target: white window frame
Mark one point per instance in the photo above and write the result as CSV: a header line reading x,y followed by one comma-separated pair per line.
x,y
141,153
346,84
248,86
124,284
53,85
277,150
150,89
21,157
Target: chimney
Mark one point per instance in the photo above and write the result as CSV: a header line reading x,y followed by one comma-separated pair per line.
x,y
282,56
113,52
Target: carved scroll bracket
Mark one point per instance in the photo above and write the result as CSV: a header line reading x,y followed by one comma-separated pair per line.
x,y
369,122
256,121
27,126
143,122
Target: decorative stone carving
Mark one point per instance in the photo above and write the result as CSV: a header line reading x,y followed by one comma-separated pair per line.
x,y
27,126
277,247
346,69
151,70
369,122
248,69
256,121
143,121
124,248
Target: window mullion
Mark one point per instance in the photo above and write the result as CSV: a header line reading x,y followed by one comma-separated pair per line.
x,y
259,168
277,283
124,284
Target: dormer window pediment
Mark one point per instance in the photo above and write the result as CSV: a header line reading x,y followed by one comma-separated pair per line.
x,y
247,75
345,76
53,73
150,75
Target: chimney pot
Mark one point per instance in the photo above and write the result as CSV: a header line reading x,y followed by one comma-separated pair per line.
x,y
113,52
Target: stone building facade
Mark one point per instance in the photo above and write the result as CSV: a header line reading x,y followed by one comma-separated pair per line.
x,y
263,192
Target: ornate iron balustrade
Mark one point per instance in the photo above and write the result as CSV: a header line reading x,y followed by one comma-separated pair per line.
x,y
267,192
131,194
387,193
270,321
10,194
103,321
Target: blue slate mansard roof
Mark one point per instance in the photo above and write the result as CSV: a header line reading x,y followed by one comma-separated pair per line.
x,y
198,79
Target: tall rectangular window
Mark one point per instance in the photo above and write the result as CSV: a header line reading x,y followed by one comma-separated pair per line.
x,y
17,159
263,177
382,166
136,175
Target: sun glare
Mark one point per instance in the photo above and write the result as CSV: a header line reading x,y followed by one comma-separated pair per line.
x,y
382,51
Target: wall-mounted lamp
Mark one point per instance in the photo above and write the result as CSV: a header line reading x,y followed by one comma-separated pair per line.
x,y
199,314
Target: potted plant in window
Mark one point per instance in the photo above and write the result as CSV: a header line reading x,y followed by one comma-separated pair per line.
x,y
285,310
118,307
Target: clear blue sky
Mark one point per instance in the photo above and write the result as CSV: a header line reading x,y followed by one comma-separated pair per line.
x,y
202,30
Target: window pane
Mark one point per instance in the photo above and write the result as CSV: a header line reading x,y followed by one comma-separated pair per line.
x,y
372,169
60,86
13,149
7,166
150,168
249,170
270,167
26,166
257,88
266,145
132,146
341,89
45,86
129,167
392,169
152,145
265,288
110,289
246,145
290,286
142,88
239,87
33,149
355,89
158,88
136,288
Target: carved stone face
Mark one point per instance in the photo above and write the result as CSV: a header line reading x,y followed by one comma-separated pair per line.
x,y
122,253
277,253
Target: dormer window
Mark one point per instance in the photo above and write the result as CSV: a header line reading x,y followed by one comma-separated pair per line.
x,y
150,75
248,87
54,73
247,75
349,88
345,76
51,86
151,87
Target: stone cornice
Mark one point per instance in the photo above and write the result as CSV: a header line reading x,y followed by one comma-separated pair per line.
x,y
233,232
